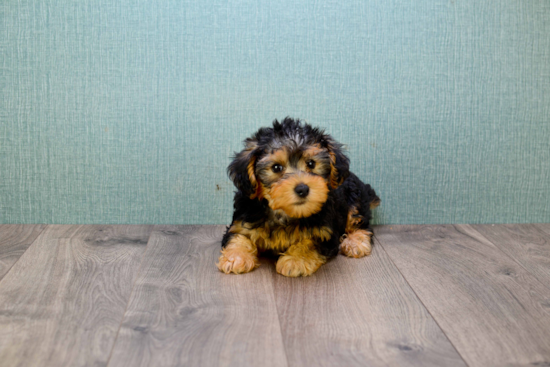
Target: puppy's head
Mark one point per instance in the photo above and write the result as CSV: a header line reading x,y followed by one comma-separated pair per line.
x,y
291,165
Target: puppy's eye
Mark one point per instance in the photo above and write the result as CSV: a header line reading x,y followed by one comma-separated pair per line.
x,y
311,164
277,168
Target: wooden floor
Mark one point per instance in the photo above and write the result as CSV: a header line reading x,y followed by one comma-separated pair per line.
x,y
437,295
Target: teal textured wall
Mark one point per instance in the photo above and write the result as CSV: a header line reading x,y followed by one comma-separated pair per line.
x,y
128,112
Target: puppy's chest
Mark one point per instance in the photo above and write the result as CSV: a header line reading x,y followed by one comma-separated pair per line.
x,y
280,238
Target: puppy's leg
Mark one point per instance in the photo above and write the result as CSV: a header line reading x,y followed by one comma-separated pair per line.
x,y
240,255
300,259
357,243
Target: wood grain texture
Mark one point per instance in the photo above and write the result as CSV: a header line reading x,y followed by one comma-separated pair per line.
x,y
543,226
14,241
527,244
63,301
184,312
358,312
494,312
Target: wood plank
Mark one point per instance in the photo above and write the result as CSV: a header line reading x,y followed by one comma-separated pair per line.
x,y
63,301
359,312
544,227
14,241
527,244
494,312
184,312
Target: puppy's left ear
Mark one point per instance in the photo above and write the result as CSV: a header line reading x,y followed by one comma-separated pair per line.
x,y
241,169
339,163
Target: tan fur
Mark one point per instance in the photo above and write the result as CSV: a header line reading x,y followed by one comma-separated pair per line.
x,y
334,182
279,238
357,244
282,196
354,220
310,154
252,177
279,156
239,256
300,259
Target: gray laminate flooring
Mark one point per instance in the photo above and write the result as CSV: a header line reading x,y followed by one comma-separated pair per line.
x,y
123,295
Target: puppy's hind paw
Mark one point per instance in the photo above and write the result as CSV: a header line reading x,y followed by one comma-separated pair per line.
x,y
357,244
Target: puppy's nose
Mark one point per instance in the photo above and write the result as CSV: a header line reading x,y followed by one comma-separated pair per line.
x,y
302,190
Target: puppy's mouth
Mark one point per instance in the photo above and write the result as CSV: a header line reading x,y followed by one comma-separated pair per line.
x,y
300,202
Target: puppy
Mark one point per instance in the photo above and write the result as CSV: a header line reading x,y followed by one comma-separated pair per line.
x,y
297,199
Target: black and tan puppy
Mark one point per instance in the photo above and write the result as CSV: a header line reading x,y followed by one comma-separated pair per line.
x,y
296,198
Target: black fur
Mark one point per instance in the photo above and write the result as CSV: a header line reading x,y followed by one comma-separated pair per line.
x,y
351,192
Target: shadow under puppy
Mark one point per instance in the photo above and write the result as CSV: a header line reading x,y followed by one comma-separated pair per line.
x,y
296,198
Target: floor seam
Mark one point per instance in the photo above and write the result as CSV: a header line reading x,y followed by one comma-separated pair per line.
x,y
420,300
24,252
130,297
273,275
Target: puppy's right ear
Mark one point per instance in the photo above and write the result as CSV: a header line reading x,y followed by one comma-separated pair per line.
x,y
241,169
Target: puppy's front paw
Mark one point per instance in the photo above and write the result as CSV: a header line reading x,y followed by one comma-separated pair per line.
x,y
237,263
357,244
294,266
238,258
